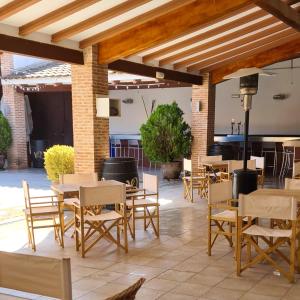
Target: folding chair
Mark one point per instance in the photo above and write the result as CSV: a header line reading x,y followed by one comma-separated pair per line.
x,y
46,276
292,184
40,213
91,219
236,165
194,181
70,198
296,170
268,207
260,168
219,198
143,204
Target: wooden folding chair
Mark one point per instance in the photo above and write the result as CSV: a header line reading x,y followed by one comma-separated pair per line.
x,y
45,276
70,198
93,223
268,207
40,213
143,204
260,168
220,213
194,180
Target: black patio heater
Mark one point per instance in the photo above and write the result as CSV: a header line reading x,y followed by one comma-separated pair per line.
x,y
245,180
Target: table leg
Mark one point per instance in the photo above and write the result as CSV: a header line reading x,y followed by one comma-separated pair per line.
x,y
61,198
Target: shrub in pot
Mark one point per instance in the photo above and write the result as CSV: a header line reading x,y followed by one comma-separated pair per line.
x,y
59,159
5,139
166,137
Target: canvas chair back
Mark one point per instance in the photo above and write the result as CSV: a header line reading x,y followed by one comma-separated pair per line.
x,y
45,276
150,183
219,192
209,158
251,164
259,161
26,194
296,168
292,184
81,179
106,192
187,165
234,165
268,206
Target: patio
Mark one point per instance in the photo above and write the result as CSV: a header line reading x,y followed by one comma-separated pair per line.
x,y
176,265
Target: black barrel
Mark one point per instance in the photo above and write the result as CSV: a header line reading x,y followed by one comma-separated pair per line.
x,y
226,150
122,169
244,182
38,147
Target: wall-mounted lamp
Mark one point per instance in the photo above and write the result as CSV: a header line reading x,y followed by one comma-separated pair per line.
x,y
198,106
102,106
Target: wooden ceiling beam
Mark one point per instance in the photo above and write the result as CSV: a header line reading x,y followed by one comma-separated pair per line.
x,y
14,7
135,22
219,41
246,41
203,65
205,35
42,50
149,71
167,26
97,19
282,11
55,16
286,51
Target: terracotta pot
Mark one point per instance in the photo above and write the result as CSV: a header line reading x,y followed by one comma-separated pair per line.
x,y
171,170
2,161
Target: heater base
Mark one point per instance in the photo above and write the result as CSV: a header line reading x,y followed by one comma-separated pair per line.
x,y
244,182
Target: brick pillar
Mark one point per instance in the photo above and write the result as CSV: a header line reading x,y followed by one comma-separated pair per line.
x,y
91,134
203,121
17,154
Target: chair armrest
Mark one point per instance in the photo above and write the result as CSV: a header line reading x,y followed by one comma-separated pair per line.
x,y
224,206
141,195
41,197
46,202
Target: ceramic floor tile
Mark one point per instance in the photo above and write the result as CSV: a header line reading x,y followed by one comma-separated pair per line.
x,y
161,284
237,284
269,290
172,296
191,289
223,294
176,275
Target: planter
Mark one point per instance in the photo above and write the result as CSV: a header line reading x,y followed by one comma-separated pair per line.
x,y
171,170
2,162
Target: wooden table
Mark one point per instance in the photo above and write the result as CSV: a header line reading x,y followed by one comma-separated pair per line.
x,y
277,192
212,165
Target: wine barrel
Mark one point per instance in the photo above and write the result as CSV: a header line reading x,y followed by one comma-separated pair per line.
x,y
226,150
38,147
122,169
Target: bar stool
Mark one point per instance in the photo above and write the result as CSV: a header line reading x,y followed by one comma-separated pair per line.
x,y
267,151
124,148
287,161
133,147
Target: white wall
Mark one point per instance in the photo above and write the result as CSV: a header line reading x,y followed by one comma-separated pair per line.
x,y
134,115
267,116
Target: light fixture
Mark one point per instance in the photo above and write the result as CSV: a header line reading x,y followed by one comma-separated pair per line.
x,y
102,106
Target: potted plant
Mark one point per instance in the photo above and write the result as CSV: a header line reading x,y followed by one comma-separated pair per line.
x,y
5,139
59,159
167,138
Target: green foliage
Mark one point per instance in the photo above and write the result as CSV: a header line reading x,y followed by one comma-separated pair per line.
x,y
59,159
165,136
5,134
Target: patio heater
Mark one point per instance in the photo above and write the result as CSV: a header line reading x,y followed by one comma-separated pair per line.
x,y
245,180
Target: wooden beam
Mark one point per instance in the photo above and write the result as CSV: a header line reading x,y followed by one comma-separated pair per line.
x,y
205,35
268,41
149,71
223,39
97,19
249,41
55,16
14,7
165,27
134,22
32,48
286,51
282,11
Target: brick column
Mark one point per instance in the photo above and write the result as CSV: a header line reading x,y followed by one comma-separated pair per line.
x,y
203,121
91,134
17,154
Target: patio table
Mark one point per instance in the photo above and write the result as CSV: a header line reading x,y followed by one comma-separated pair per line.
x,y
212,165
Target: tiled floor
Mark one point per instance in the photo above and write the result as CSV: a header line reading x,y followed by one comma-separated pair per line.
x,y
176,266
